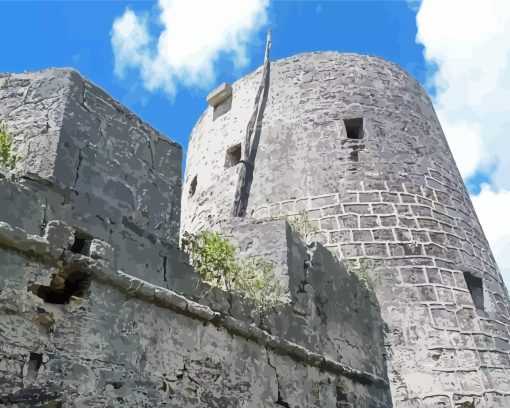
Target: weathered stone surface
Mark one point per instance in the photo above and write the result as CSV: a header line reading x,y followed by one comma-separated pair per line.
x,y
105,338
98,305
90,162
101,250
393,199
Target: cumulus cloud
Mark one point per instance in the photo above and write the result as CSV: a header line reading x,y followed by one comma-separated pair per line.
x,y
193,35
468,42
492,210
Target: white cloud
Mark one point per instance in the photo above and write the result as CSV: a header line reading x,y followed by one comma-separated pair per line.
x,y
194,34
469,43
469,40
492,209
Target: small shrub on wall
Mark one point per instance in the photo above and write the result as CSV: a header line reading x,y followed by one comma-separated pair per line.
x,y
301,224
217,261
7,159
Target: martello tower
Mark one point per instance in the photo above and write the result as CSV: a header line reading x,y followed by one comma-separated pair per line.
x,y
354,141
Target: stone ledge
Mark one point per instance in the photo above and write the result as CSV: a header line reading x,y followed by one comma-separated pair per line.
x,y
220,94
31,245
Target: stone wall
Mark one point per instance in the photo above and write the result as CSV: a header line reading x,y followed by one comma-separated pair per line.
x,y
98,305
392,199
91,162
332,311
121,341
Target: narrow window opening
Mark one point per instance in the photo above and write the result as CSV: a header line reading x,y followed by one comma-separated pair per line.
x,y
222,108
233,156
354,156
193,187
354,128
61,288
475,286
34,363
81,244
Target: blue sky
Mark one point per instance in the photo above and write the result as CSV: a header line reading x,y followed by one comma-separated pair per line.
x,y
458,49
77,34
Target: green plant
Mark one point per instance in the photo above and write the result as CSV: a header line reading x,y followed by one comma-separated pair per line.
x,y
301,224
217,261
7,159
363,271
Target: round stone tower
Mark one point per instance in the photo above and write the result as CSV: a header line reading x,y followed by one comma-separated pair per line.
x,y
354,141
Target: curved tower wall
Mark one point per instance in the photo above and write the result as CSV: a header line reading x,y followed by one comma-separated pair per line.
x,y
394,198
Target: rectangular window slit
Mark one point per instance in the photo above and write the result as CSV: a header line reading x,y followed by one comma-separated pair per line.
x,y
222,108
34,363
354,128
475,287
81,244
193,186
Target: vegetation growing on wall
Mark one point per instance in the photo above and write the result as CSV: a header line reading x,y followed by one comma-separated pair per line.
x,y
302,225
7,159
217,261
363,271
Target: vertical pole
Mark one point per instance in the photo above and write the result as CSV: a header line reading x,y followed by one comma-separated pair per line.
x,y
252,136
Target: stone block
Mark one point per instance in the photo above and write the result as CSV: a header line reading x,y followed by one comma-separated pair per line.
x,y
219,95
444,319
101,250
59,234
378,250
357,208
413,275
368,221
383,235
388,220
362,235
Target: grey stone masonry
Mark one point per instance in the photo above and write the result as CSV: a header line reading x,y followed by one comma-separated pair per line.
x,y
89,161
354,142
100,307
122,341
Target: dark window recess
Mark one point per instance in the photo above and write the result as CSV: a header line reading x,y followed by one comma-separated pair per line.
x,y
193,187
62,288
233,156
34,363
341,396
81,244
222,108
475,286
356,148
354,128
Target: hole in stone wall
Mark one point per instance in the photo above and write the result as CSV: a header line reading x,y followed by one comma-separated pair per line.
x,y
62,288
475,286
81,244
281,402
354,128
354,156
34,363
193,187
233,156
341,396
